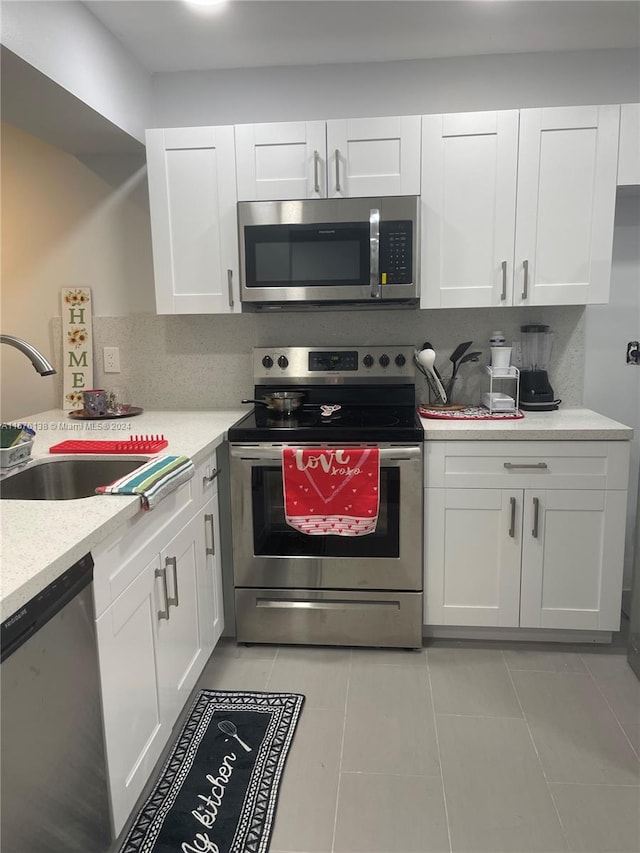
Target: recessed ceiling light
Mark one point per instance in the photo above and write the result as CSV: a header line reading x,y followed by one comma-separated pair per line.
x,y
207,5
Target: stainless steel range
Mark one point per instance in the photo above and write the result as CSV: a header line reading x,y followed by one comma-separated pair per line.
x,y
292,587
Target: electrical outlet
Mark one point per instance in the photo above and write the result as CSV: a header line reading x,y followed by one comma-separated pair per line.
x,y
111,359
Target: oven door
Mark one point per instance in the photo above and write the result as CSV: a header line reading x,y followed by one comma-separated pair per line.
x,y
267,553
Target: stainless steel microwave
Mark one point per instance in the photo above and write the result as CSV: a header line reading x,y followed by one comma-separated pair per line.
x,y
341,250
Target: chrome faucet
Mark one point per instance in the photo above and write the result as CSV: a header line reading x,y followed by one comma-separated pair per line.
x,y
40,363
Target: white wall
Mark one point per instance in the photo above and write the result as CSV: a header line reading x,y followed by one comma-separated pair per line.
x,y
611,386
396,88
62,226
68,44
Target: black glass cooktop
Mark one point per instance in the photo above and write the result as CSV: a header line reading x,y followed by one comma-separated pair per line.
x,y
348,423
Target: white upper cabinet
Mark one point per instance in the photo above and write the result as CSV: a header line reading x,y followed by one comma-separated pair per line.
x,y
192,196
567,166
469,172
337,158
629,151
518,207
281,161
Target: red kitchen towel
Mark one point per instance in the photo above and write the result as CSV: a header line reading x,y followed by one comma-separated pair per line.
x,y
331,491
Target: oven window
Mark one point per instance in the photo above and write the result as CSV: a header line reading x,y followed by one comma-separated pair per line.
x,y
273,537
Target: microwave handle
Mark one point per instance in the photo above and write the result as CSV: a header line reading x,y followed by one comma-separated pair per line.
x,y
374,249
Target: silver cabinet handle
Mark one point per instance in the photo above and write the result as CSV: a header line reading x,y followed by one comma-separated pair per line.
x,y
338,187
230,287
374,253
162,573
538,465
211,477
512,523
316,171
210,552
503,295
525,281
173,561
536,514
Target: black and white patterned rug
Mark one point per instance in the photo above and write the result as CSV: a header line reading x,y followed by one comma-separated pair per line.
x,y
218,789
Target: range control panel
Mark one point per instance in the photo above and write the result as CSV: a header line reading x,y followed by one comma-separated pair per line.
x,y
362,365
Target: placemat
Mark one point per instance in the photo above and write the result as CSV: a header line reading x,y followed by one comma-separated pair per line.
x,y
469,413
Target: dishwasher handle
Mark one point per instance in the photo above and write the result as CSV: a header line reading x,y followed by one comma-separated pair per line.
x,y
30,617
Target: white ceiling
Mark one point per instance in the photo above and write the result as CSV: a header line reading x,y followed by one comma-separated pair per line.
x,y
168,35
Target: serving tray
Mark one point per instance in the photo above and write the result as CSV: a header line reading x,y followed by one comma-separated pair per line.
x,y
81,415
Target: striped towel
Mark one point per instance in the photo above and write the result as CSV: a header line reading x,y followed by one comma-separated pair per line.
x,y
153,480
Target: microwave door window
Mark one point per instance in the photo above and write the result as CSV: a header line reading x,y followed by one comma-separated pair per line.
x,y
280,256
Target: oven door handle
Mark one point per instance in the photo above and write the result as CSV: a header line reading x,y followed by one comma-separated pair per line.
x,y
274,453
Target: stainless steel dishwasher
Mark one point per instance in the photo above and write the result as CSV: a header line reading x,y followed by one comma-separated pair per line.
x,y
52,768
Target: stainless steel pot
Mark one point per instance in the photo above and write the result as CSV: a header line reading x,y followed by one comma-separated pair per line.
x,y
283,402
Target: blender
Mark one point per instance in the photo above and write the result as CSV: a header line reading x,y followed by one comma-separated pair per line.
x,y
536,394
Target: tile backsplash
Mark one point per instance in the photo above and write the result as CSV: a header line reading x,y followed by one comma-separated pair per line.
x,y
202,362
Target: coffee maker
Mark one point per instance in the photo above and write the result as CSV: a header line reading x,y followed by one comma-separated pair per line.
x,y
536,394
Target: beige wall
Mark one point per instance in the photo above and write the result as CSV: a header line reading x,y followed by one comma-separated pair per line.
x,y
62,226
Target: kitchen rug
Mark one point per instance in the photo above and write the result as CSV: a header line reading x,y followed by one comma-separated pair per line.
x,y
218,789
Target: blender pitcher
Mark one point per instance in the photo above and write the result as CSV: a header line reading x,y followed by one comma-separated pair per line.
x,y
536,393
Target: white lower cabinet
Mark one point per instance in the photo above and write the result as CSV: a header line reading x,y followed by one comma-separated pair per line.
x,y
544,552
158,595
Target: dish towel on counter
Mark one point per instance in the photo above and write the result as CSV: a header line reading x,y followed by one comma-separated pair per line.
x,y
152,481
331,491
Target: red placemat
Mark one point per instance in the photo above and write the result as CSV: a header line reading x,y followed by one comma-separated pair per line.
x,y
469,413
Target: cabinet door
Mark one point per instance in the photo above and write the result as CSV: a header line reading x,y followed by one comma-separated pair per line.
x,y
567,169
472,557
572,559
181,654
135,731
192,195
373,156
211,602
283,160
469,166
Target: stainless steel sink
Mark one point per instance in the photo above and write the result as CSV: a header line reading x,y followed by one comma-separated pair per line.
x,y
65,478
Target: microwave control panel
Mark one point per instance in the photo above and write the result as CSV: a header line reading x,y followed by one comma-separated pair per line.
x,y
396,251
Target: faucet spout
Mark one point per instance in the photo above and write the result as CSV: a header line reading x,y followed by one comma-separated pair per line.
x,y
36,358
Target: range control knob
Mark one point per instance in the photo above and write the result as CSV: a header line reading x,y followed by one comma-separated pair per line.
x,y
400,360
267,361
384,360
283,362
368,360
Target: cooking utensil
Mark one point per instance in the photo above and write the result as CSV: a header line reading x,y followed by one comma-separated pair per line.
x,y
283,402
426,359
427,345
229,728
458,352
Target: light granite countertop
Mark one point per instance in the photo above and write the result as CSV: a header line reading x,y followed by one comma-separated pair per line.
x,y
561,425
41,539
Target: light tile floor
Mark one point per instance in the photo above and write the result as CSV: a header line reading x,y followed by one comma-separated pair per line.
x,y
456,748
451,749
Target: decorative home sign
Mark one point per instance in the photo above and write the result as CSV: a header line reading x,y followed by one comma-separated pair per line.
x,y
77,351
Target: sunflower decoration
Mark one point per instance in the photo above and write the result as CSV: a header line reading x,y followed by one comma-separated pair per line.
x,y
77,337
76,297
75,398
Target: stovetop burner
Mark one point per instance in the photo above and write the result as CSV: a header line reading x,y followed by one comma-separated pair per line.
x,y
358,423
